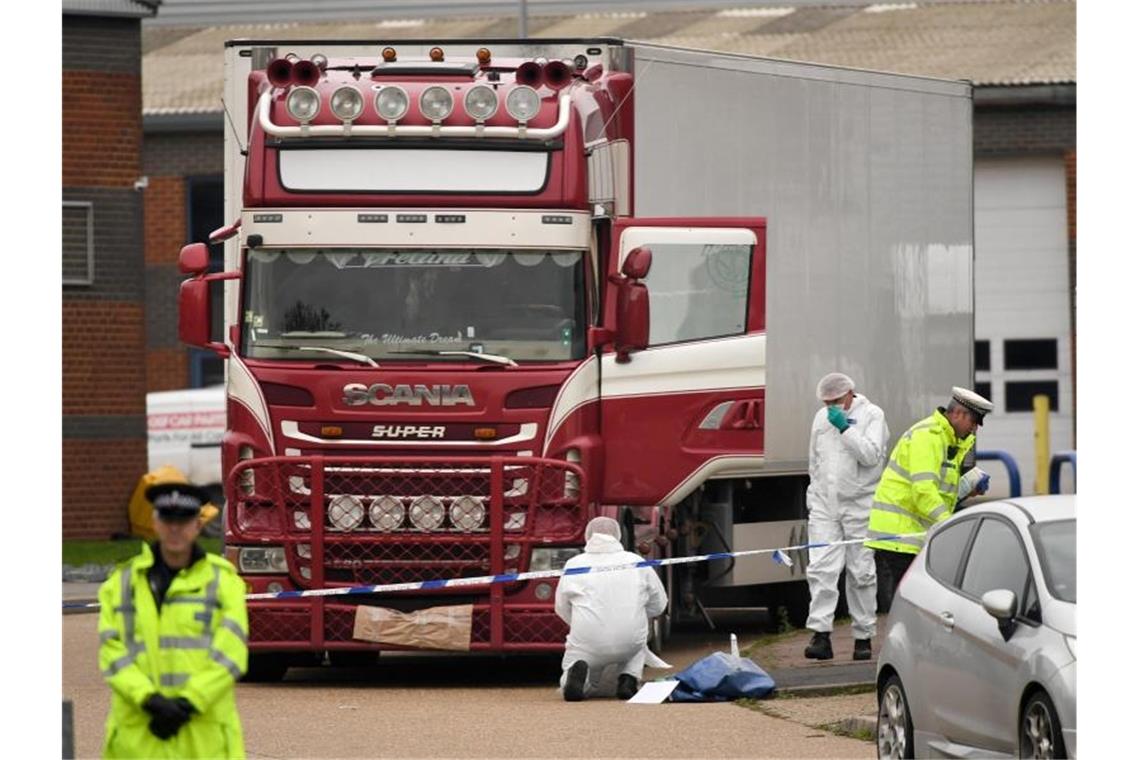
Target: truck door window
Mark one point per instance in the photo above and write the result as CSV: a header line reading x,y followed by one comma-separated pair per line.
x,y
697,291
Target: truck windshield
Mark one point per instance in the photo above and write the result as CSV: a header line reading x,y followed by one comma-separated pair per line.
x,y
382,303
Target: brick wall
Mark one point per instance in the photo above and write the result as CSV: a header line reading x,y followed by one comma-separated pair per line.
x,y
104,405
170,159
1004,131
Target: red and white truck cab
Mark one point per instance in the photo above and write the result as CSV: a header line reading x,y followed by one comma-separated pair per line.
x,y
450,340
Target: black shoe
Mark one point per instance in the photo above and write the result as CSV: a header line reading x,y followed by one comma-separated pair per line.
x,y
862,649
820,647
575,688
627,686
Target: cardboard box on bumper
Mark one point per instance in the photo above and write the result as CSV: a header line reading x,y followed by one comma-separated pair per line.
x,y
446,628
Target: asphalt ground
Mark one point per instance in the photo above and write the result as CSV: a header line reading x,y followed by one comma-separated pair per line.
x,y
438,705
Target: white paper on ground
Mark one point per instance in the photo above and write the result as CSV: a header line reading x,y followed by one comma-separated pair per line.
x,y
653,692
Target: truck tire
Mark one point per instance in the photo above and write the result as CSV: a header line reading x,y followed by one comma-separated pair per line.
x,y
266,668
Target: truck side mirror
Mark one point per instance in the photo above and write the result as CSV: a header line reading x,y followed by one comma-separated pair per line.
x,y
194,315
633,304
194,259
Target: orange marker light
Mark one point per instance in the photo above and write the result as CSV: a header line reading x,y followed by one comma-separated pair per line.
x,y
483,55
436,54
389,54
486,433
331,431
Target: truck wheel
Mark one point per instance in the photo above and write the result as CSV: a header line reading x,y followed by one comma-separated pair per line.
x,y
266,668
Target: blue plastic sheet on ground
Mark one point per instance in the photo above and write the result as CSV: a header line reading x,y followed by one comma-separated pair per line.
x,y
721,677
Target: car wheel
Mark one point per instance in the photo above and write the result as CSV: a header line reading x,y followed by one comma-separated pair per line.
x,y
895,731
1040,734
266,668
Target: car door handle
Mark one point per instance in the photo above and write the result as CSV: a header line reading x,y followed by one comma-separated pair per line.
x,y
947,621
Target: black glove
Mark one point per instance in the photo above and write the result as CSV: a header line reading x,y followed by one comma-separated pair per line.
x,y
169,715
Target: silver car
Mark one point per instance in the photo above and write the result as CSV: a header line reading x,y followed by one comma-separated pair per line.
x,y
980,652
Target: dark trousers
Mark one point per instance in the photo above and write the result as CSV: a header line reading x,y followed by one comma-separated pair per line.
x,y
889,568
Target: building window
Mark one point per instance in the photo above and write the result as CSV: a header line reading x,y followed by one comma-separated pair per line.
x,y
984,389
1019,395
1031,354
78,243
981,355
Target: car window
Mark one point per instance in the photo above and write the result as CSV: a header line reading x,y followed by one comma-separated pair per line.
x,y
1057,550
944,553
997,561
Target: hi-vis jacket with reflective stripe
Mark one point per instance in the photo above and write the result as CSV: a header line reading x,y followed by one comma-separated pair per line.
x,y
195,647
919,487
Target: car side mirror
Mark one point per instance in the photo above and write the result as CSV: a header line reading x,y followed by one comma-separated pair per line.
x,y
1002,605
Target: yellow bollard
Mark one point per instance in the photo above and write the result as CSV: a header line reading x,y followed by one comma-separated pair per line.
x,y
1041,441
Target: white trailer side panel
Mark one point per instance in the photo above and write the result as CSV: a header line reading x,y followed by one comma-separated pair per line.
x,y
866,181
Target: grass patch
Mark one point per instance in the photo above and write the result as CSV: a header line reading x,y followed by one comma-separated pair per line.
x,y
766,640
862,733
78,553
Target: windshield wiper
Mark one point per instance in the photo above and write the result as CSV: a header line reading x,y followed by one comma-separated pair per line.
x,y
338,352
505,361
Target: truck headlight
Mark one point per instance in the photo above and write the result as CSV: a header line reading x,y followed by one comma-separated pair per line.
x,y
426,513
467,513
346,512
552,559
261,559
386,513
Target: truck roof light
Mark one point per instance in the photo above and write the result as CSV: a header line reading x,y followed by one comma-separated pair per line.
x,y
523,103
279,72
529,74
426,513
386,513
306,73
346,512
389,54
436,103
481,102
483,55
347,103
436,54
467,513
391,103
303,103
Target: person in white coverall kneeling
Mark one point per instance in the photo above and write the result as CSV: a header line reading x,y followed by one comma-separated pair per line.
x,y
846,454
608,614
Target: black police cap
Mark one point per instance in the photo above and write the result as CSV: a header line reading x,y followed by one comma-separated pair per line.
x,y
177,499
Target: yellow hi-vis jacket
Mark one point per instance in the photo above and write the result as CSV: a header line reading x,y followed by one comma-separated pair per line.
x,y
195,647
919,486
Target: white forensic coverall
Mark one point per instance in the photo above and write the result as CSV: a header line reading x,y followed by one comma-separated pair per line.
x,y
608,614
844,470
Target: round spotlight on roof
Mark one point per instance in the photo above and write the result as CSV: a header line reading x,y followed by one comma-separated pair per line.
x,y
481,102
303,103
389,54
436,103
391,103
436,54
483,55
523,103
347,103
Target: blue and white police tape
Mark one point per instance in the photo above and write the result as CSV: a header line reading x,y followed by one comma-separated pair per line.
x,y
779,556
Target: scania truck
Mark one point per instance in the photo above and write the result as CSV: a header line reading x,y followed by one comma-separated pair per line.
x,y
479,291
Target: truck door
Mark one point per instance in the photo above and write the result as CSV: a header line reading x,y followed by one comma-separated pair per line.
x,y
690,406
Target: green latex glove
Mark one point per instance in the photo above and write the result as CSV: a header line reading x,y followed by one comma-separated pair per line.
x,y
836,417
